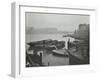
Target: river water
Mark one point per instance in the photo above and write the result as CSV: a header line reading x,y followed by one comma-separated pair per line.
x,y
49,58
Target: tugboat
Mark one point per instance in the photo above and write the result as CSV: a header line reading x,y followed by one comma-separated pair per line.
x,y
79,53
79,50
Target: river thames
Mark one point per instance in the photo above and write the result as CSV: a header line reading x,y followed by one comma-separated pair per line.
x,y
48,58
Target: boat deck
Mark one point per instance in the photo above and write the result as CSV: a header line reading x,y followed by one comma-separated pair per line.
x,y
61,52
77,58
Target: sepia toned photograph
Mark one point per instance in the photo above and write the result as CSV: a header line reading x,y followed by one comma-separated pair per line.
x,y
56,39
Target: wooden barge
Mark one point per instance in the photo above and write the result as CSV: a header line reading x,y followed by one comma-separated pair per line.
x,y
60,52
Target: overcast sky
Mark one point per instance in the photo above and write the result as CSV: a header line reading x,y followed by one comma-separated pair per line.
x,y
61,22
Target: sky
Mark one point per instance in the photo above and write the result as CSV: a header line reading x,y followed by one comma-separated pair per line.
x,y
59,21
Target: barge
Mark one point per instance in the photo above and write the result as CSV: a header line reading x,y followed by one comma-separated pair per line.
x,y
60,52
